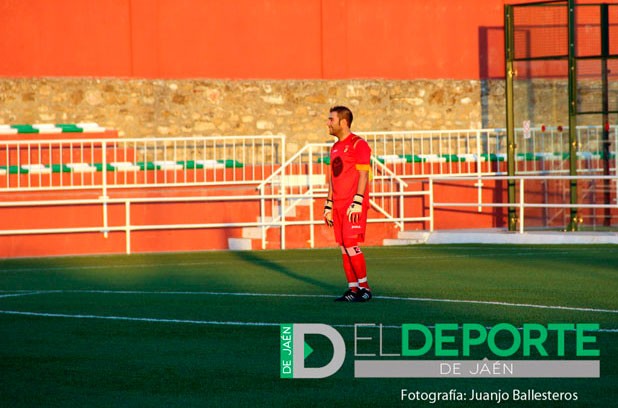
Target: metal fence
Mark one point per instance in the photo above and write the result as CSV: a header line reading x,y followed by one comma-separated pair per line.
x,y
130,163
114,163
540,150
399,158
543,213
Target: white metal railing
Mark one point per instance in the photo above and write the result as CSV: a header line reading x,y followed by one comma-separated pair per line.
x,y
86,164
521,203
418,154
59,164
540,150
129,227
102,226
300,179
282,185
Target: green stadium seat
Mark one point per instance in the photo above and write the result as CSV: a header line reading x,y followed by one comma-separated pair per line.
x,y
450,157
69,128
60,168
99,167
231,163
146,165
493,157
25,129
191,164
412,158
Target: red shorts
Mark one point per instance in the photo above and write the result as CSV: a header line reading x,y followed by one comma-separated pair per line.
x,y
346,231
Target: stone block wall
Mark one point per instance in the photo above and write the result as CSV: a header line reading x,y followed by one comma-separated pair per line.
x,y
296,108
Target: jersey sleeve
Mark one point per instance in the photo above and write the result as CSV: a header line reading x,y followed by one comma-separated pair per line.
x,y
363,152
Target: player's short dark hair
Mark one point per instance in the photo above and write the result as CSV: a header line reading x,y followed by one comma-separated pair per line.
x,y
343,112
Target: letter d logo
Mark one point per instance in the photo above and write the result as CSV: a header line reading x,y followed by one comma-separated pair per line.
x,y
294,350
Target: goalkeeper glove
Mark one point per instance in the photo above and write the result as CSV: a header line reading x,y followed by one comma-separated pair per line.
x,y
355,209
328,212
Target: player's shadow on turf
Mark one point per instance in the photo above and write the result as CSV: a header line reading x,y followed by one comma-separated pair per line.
x,y
249,256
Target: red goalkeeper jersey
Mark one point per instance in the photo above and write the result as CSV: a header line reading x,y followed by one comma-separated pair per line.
x,y
347,158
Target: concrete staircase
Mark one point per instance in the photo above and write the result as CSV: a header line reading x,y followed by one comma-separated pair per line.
x,y
252,236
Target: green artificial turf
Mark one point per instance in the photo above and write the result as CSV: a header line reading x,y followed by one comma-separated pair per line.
x,y
202,329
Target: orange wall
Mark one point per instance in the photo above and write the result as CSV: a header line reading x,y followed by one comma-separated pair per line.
x,y
242,39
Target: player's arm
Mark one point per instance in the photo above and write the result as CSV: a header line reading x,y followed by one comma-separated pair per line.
x,y
354,211
363,180
328,205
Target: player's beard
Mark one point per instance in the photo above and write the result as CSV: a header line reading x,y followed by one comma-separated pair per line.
x,y
334,132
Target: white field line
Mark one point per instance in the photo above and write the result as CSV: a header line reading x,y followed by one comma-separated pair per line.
x,y
294,295
433,257
246,294
136,319
495,303
16,293
197,322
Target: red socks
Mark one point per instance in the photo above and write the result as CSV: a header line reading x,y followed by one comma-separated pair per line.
x,y
355,267
349,271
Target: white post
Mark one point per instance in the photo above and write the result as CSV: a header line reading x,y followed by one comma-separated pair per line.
x,y
311,200
431,204
401,206
104,196
262,216
479,183
127,216
521,205
282,208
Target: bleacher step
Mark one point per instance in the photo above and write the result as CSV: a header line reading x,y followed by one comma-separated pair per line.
x,y
408,238
239,244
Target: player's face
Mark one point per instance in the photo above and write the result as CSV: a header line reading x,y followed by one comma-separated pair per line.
x,y
334,124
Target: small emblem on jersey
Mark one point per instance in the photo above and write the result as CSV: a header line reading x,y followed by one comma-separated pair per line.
x,y
345,150
337,166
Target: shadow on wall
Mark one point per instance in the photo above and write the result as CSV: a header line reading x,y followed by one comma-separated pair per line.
x,y
491,72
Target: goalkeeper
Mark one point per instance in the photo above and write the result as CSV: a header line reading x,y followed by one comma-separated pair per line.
x,y
348,200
